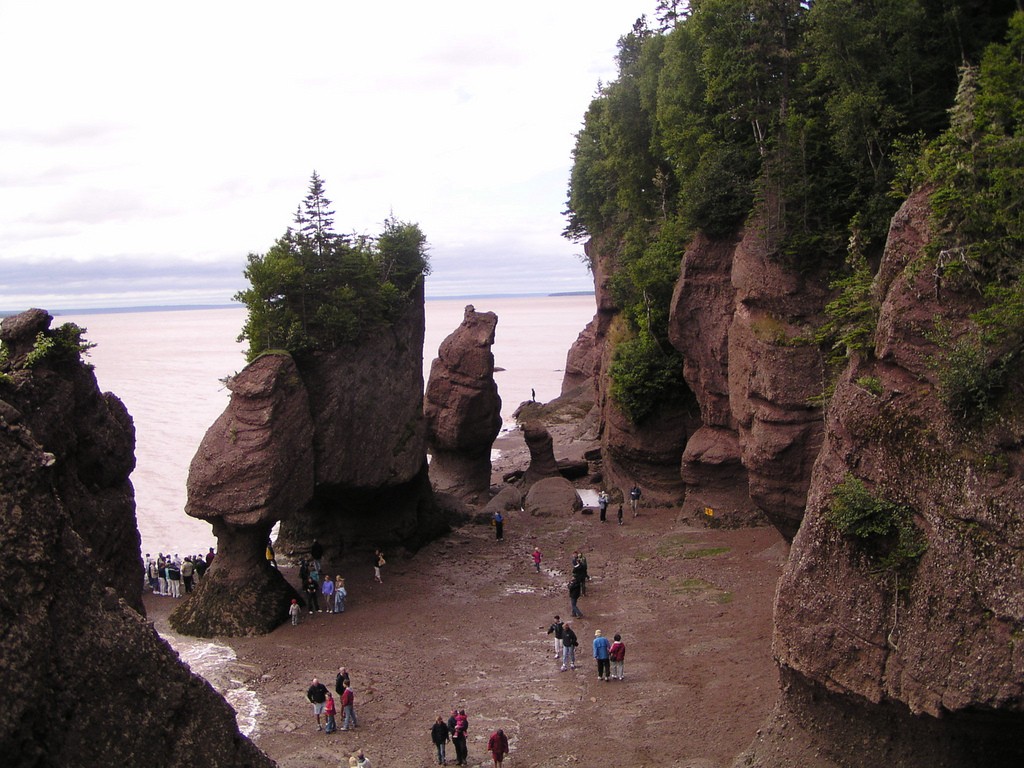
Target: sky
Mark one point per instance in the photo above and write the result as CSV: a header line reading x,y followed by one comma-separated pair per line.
x,y
146,149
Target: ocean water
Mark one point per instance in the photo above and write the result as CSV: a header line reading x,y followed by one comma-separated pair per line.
x,y
168,366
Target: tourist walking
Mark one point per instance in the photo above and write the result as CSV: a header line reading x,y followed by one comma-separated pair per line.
x,y
619,514
569,643
536,559
602,505
574,595
499,525
556,630
340,593
378,563
601,646
634,498
439,736
459,738
317,695
497,745
294,611
617,655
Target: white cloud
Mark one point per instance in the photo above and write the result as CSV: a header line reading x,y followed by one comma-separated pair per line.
x,y
185,134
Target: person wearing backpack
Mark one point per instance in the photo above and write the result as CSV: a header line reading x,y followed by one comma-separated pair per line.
x,y
617,654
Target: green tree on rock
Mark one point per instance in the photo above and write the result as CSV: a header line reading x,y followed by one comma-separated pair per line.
x,y
315,290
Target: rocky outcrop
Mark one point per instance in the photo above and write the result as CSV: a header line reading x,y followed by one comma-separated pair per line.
x,y
775,372
89,437
253,468
583,361
462,408
542,453
930,641
86,680
369,441
552,496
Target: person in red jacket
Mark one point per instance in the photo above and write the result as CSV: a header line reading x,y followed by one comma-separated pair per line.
x,y
617,654
497,745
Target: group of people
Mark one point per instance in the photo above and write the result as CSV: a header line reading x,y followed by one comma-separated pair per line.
x,y
610,656
634,500
455,730
324,707
168,575
315,586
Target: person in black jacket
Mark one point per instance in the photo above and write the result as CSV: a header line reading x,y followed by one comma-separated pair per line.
x,y
574,595
317,695
440,736
569,643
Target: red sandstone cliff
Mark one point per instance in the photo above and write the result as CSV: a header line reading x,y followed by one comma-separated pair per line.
x,y
86,680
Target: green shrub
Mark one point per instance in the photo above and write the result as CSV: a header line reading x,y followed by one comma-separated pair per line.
x,y
644,378
65,343
885,528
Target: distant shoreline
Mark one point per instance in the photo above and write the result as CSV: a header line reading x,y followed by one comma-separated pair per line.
x,y
236,305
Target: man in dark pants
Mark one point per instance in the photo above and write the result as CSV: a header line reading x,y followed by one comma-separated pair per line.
x,y
574,595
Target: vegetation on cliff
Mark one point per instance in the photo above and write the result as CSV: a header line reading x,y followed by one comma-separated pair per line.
x,y
315,289
803,111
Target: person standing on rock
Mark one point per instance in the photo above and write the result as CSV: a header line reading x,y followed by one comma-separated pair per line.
x,y
556,630
574,595
569,643
317,695
536,559
378,563
617,655
499,525
601,646
497,745
439,736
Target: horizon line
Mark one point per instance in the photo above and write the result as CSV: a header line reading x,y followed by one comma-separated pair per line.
x,y
238,305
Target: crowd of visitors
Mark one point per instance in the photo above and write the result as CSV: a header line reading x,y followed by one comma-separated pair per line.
x,y
171,575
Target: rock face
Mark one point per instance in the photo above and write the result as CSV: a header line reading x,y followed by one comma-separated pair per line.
x,y
369,445
253,468
932,643
462,408
91,438
86,680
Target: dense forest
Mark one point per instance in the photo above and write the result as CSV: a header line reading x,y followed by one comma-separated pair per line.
x,y
316,289
819,117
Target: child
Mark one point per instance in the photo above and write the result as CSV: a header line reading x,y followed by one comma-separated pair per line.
x,y
293,611
329,711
